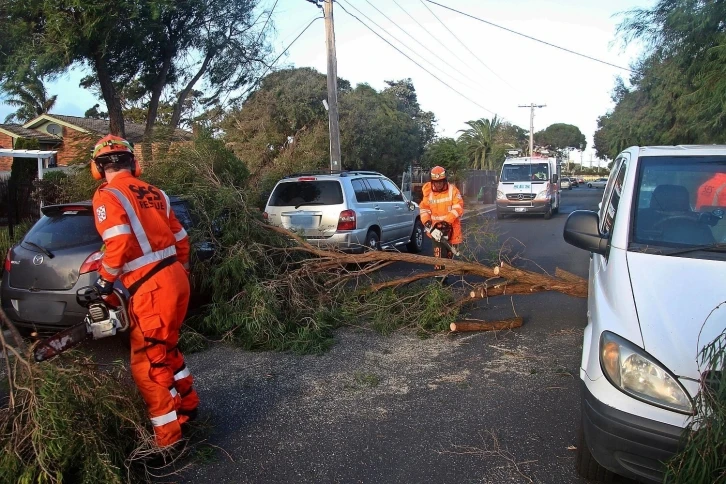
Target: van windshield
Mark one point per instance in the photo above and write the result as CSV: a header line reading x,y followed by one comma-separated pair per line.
x,y
681,202
525,172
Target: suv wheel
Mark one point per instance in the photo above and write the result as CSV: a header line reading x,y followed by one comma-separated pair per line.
x,y
417,238
589,185
373,241
586,464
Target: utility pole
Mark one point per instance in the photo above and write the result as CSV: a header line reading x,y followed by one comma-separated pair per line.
x,y
332,87
531,124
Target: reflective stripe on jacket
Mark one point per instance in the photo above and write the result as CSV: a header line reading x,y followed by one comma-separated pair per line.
x,y
137,226
446,206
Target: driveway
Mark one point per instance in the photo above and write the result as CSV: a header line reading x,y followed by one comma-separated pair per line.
x,y
479,407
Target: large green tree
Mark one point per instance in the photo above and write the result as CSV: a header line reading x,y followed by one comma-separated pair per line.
x,y
560,137
446,152
28,96
167,46
479,140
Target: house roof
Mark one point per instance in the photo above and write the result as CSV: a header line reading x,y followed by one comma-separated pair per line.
x,y
18,131
134,131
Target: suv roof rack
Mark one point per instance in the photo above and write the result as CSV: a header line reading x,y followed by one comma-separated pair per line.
x,y
342,173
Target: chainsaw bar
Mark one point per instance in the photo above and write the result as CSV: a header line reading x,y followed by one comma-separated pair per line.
x,y
60,342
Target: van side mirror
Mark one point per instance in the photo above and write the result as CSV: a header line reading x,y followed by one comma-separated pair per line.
x,y
582,229
554,178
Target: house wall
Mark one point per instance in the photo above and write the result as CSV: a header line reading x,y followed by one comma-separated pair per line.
x,y
76,147
6,142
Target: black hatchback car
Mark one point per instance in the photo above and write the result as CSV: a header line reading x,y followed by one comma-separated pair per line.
x,y
59,255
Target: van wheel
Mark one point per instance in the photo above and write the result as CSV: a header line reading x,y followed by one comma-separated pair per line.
x,y
500,215
417,238
548,214
586,464
373,241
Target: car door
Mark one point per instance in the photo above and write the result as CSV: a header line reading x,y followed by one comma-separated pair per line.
x,y
365,206
403,217
383,208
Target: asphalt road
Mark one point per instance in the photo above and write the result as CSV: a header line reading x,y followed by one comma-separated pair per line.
x,y
481,407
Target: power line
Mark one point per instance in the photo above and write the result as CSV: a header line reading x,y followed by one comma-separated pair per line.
x,y
409,58
467,48
266,21
350,4
452,52
528,36
419,43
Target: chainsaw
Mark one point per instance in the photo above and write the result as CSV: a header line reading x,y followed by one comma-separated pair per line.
x,y
104,319
438,235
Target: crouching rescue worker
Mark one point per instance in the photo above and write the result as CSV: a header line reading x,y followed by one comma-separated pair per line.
x,y
441,209
148,250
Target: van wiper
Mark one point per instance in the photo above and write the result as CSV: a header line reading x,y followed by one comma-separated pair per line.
x,y
718,247
42,249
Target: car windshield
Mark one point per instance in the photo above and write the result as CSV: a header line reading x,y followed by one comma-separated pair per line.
x,y
63,230
680,203
300,193
525,172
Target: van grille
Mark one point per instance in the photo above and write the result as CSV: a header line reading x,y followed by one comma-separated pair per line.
x,y
520,196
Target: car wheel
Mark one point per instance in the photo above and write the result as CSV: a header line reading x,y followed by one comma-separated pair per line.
x,y
373,240
586,464
589,185
417,238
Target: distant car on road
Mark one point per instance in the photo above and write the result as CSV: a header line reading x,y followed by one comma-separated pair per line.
x,y
352,211
59,255
565,183
599,183
573,182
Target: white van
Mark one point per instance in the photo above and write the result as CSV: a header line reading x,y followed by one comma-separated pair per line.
x,y
657,275
529,185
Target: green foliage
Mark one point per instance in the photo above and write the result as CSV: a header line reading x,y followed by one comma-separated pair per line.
x,y
19,230
72,423
445,152
703,457
677,94
29,96
479,140
74,185
24,170
561,136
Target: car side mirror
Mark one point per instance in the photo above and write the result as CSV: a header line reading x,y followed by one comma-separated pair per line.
x,y
411,205
582,229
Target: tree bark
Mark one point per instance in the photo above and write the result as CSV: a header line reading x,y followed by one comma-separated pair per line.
x,y
153,111
182,97
486,325
110,96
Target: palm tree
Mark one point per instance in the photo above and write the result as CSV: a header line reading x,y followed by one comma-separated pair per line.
x,y
28,96
479,140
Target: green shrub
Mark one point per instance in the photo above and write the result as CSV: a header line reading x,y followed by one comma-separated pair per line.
x,y
24,170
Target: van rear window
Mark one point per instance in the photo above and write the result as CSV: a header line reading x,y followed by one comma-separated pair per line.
x,y
299,193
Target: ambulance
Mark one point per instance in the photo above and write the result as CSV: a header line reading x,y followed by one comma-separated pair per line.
x,y
529,185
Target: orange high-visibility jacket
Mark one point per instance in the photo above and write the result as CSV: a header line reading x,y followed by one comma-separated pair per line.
x,y
446,206
138,227
712,192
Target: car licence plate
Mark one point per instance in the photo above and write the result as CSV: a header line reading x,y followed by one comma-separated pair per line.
x,y
520,209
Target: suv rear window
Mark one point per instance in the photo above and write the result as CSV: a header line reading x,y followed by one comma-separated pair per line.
x,y
299,193
63,230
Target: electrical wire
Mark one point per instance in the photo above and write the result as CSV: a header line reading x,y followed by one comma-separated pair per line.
x,y
466,47
350,4
409,58
451,51
266,21
419,43
527,36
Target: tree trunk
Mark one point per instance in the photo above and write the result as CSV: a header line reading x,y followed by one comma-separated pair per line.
x,y
146,147
110,96
182,97
486,325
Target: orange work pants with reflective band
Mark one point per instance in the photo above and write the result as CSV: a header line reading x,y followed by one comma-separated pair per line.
x,y
157,311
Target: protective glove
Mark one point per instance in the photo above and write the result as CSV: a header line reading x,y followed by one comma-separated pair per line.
x,y
104,287
428,224
436,234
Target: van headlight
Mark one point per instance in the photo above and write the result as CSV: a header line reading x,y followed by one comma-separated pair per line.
x,y
636,373
543,195
501,195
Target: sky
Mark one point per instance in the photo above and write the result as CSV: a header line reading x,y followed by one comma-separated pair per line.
x,y
494,71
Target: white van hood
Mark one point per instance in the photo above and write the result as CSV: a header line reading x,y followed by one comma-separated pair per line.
x,y
674,296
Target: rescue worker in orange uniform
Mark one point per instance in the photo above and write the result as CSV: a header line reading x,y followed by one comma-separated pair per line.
x,y
441,209
713,192
148,250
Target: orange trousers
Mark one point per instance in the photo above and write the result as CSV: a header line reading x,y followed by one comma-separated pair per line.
x,y
157,312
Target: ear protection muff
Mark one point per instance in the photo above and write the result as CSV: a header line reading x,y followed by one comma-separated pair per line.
x,y
136,171
96,170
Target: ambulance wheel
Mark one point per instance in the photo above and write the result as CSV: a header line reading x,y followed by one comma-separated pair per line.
x,y
500,215
548,214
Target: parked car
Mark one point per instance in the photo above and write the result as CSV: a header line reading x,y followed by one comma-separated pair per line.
x,y
573,182
350,211
661,221
599,183
580,180
565,183
59,255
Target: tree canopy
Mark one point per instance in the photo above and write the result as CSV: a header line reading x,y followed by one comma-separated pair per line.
x,y
677,92
560,137
28,96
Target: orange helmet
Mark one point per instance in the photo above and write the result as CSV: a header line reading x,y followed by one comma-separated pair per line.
x,y
113,149
438,173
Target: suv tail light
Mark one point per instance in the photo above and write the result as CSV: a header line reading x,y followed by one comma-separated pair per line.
x,y
92,262
7,265
265,215
347,220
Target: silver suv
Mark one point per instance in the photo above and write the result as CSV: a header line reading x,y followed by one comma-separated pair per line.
x,y
351,211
